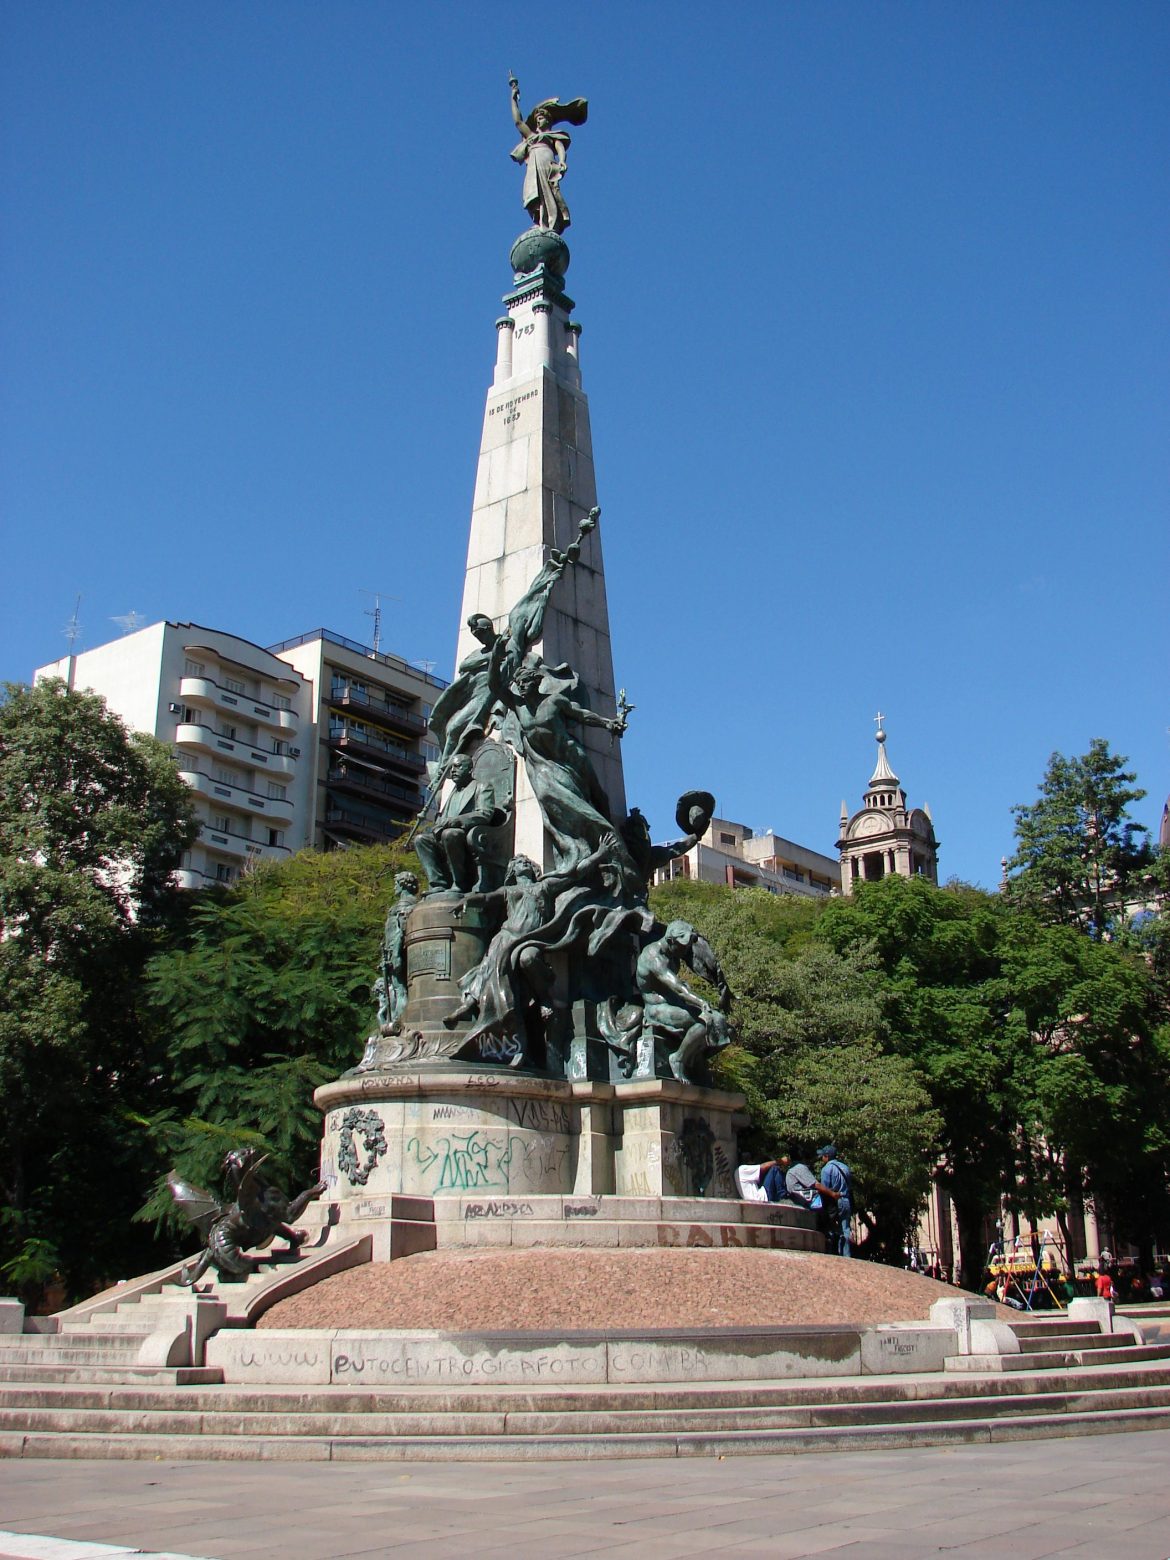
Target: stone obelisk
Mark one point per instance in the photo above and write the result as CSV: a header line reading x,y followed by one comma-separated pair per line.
x,y
534,485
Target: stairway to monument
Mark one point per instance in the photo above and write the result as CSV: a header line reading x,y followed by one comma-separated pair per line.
x,y
1057,1343
153,1330
88,1410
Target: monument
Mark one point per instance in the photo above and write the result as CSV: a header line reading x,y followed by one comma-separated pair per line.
x,y
540,1033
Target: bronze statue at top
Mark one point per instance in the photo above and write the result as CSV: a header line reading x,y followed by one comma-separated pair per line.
x,y
544,153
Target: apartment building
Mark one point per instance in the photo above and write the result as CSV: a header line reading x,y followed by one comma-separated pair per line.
x,y
741,857
366,764
235,717
317,742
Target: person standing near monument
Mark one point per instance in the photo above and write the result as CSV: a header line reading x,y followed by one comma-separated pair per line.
x,y
835,1182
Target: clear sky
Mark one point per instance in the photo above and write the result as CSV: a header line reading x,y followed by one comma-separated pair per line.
x,y
874,299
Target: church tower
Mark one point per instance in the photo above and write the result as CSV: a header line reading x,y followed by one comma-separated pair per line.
x,y
886,836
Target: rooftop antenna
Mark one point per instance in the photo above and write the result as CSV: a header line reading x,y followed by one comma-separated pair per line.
x,y
376,613
130,623
73,627
424,666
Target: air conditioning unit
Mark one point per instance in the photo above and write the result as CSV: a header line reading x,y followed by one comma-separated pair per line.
x,y
294,752
175,709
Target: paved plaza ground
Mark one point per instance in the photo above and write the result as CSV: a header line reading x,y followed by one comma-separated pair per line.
x,y
1093,1498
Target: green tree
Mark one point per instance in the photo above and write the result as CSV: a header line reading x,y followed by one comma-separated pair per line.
x,y
938,953
264,995
811,1056
1078,854
1094,1094
93,821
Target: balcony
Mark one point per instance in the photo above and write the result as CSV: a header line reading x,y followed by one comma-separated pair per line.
x,y
357,780
227,843
204,740
349,738
347,824
271,808
205,694
344,696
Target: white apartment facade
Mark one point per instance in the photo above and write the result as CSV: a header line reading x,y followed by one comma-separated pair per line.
x,y
234,716
318,742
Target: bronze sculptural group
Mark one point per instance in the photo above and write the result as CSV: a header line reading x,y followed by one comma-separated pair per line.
x,y
568,954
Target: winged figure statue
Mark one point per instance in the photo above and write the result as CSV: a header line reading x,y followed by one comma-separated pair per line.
x,y
256,1214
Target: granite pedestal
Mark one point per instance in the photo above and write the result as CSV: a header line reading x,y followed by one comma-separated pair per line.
x,y
507,1158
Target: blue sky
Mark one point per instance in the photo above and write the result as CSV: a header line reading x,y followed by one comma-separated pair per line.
x,y
875,338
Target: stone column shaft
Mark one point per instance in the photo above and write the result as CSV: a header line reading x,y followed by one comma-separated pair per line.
x,y
534,485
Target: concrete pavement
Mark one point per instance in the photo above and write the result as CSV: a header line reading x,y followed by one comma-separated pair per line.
x,y
1090,1498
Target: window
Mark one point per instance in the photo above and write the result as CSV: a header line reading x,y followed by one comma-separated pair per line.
x,y
227,776
430,751
276,836
277,791
222,822
227,731
726,839
281,701
192,668
234,685
190,718
279,747
223,874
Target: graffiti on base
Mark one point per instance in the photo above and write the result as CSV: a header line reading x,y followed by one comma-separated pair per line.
x,y
543,1158
466,1160
540,1115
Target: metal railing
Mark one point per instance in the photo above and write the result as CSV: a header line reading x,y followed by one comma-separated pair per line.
x,y
370,654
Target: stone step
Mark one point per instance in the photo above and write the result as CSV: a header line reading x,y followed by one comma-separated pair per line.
x,y
601,1397
1038,1328
73,1348
527,1232
1063,1338
107,1375
1061,1359
113,1323
511,1448
313,1423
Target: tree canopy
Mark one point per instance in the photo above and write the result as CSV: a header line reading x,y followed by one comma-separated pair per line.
x,y
1078,853
813,1056
93,821
263,995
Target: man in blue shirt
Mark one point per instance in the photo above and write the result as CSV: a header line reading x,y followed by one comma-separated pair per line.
x,y
836,1180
